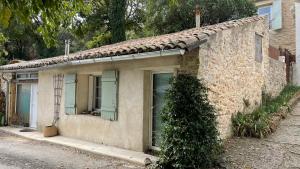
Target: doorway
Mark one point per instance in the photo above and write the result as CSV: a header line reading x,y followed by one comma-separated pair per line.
x,y
160,84
33,106
26,105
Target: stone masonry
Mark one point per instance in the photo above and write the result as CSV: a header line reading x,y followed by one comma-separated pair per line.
x,y
275,77
235,79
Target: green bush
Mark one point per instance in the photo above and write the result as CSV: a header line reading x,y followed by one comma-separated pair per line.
x,y
1,117
257,123
189,134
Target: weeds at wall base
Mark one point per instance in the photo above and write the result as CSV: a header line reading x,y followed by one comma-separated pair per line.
x,y
265,119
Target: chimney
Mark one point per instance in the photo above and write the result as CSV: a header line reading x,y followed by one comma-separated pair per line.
x,y
67,47
198,18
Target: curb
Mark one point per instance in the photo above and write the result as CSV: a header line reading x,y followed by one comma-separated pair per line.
x,y
276,118
53,141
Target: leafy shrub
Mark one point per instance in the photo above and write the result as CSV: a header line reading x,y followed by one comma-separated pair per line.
x,y
189,134
257,123
1,117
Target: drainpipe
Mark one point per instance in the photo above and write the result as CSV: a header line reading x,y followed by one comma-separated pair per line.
x,y
6,100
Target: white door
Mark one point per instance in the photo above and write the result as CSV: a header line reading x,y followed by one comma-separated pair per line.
x,y
33,106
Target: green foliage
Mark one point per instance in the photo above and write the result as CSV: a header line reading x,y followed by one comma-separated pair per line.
x,y
189,134
97,28
257,123
99,40
3,52
166,16
117,20
48,15
1,118
34,29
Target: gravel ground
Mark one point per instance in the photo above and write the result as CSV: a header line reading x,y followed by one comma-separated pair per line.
x,y
21,153
281,150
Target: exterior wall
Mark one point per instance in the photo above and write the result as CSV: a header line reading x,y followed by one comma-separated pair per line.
x,y
9,88
189,63
296,78
284,37
275,77
131,130
13,118
228,66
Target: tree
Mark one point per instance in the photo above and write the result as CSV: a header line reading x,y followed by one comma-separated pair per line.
x,y
189,133
166,16
96,29
117,20
48,15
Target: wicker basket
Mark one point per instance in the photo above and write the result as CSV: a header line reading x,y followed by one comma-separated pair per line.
x,y
50,131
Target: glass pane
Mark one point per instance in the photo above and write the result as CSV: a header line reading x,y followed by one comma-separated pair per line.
x,y
97,92
266,10
23,102
161,82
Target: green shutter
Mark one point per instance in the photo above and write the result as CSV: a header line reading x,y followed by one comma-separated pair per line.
x,y
109,90
70,94
277,15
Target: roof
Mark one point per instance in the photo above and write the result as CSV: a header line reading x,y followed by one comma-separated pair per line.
x,y
185,40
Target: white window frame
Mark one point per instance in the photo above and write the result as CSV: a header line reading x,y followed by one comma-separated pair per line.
x,y
173,71
30,76
94,93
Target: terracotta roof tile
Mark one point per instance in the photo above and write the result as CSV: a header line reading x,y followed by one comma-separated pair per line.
x,y
183,40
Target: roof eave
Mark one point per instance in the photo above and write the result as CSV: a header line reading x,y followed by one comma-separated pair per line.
x,y
161,53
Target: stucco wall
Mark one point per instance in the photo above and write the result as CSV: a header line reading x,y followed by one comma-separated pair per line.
x,y
228,66
131,130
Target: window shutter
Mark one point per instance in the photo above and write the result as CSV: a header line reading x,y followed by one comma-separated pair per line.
x,y
277,15
109,91
70,94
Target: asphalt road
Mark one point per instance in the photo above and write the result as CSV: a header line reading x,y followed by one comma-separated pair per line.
x,y
21,153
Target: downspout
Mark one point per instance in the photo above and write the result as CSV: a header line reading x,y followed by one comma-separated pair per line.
x,y
6,100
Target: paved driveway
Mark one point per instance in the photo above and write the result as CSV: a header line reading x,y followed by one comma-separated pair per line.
x,y
20,153
281,150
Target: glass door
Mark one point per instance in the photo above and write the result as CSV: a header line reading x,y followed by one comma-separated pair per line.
x,y
161,82
23,103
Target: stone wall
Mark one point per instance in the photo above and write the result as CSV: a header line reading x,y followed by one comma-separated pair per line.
x,y
275,77
235,79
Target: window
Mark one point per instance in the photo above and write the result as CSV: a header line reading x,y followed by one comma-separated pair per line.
x,y
266,10
97,93
258,48
27,76
103,92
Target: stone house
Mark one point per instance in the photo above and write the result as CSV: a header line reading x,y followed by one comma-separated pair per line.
x,y
113,94
284,18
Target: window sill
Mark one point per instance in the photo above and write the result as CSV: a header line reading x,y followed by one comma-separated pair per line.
x,y
91,114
